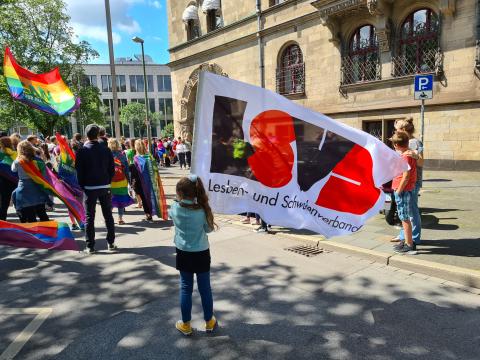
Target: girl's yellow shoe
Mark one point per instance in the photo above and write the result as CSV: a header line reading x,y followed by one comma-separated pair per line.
x,y
211,325
184,328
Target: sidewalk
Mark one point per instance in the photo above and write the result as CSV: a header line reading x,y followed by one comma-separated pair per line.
x,y
450,231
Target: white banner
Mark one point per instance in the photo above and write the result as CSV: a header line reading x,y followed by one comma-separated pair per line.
x,y
257,151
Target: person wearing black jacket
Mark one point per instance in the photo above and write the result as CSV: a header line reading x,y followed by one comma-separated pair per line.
x,y
95,170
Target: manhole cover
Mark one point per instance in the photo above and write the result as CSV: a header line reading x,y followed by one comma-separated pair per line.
x,y
305,250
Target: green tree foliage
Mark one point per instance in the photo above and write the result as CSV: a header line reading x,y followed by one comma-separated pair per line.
x,y
39,35
168,131
91,109
134,113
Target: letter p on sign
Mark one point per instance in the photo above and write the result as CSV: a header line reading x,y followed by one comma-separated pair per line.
x,y
423,87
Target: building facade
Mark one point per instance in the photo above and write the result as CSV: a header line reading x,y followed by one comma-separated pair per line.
x,y
353,60
130,88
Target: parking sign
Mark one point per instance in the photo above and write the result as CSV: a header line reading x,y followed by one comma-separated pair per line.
x,y
423,87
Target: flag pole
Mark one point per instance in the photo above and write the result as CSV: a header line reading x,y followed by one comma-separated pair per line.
x,y
112,70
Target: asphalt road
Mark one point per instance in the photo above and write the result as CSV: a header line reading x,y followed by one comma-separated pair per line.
x,y
271,303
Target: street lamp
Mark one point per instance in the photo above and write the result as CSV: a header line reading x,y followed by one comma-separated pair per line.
x,y
145,83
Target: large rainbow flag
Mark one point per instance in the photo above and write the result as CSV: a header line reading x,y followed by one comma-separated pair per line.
x,y
152,184
41,235
46,92
48,182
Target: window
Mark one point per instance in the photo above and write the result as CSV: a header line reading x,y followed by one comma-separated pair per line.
x,y
106,83
108,103
418,44
150,83
151,105
381,129
137,83
166,107
193,31
363,60
141,101
121,83
214,20
89,80
291,72
276,2
164,83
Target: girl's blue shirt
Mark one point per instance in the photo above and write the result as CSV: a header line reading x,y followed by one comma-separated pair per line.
x,y
191,227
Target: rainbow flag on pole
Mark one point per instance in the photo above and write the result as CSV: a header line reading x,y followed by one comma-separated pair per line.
x,y
46,92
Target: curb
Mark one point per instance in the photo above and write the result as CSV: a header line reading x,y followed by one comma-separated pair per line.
x,y
463,276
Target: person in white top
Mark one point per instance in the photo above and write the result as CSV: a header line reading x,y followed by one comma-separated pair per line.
x,y
181,150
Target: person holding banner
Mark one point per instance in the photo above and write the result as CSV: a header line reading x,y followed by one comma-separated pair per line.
x,y
29,198
193,219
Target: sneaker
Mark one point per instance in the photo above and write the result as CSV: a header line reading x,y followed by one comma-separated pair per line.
x,y
75,227
399,245
184,328
406,249
112,247
89,251
211,325
261,230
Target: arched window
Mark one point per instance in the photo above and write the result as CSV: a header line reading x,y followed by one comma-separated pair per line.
x,y
418,43
362,62
291,71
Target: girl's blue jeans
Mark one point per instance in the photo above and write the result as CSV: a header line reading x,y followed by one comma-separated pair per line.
x,y
416,219
186,289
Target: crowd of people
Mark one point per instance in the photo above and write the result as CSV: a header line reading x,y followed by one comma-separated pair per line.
x,y
113,172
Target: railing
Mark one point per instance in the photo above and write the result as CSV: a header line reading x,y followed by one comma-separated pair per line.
x,y
291,79
360,69
420,62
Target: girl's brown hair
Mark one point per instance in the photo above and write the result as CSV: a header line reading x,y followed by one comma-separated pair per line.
x,y
192,188
405,125
25,150
6,143
114,144
140,148
16,138
46,153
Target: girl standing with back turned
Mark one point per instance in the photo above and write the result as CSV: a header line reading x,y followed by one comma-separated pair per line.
x,y
193,219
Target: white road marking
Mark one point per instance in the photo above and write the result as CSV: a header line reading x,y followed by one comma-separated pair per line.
x,y
14,348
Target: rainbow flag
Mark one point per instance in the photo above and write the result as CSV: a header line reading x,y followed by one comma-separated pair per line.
x,y
46,92
120,196
152,185
41,235
6,160
47,180
66,165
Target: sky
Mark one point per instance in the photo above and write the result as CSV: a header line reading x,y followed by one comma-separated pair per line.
x,y
144,18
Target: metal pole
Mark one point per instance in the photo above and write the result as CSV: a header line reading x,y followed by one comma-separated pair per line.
x,y
422,119
112,70
260,43
147,120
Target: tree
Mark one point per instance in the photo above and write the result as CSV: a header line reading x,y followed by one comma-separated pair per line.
x,y
134,113
168,131
39,34
91,109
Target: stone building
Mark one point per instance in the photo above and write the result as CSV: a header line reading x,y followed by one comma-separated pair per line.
x,y
353,60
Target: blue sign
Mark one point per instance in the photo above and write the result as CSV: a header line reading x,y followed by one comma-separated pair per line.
x,y
423,87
